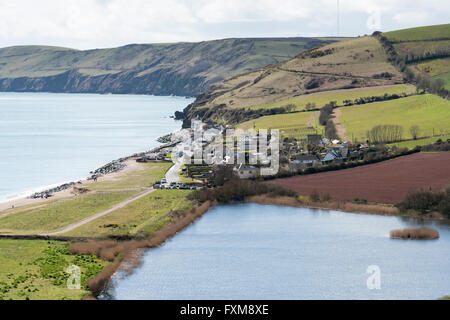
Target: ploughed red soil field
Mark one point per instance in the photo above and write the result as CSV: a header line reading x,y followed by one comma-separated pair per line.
x,y
383,182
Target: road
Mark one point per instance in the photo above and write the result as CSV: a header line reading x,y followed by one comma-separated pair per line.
x,y
120,205
172,175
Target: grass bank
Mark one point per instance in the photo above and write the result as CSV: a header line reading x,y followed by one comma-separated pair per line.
x,y
143,217
346,206
60,213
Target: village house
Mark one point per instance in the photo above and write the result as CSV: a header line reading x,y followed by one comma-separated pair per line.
x,y
246,172
336,154
304,161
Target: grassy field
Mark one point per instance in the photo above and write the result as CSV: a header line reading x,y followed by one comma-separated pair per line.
x,y
419,142
428,111
322,98
296,125
35,270
420,33
144,176
60,213
147,214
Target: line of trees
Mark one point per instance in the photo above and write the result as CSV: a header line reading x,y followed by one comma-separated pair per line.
x,y
325,120
325,112
437,86
385,133
364,100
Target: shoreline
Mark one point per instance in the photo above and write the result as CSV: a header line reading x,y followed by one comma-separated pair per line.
x,y
27,200
133,259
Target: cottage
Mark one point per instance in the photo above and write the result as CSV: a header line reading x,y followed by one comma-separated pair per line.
x,y
304,161
307,160
246,172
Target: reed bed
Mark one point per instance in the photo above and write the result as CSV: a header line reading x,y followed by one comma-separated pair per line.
x,y
125,255
331,204
415,234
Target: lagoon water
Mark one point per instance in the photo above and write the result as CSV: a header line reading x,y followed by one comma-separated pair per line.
x,y
48,139
256,251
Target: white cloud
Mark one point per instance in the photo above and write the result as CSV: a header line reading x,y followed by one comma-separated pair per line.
x,y
105,23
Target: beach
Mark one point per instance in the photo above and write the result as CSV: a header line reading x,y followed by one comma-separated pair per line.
x,y
8,207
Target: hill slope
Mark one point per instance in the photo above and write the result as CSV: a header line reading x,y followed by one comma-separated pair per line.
x,y
426,50
161,69
356,63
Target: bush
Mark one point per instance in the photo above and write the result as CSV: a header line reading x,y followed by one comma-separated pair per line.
x,y
315,196
238,190
426,201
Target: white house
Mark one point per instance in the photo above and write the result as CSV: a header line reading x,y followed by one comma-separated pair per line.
x,y
246,172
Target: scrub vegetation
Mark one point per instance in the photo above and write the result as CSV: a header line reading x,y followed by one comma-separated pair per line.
x,y
35,269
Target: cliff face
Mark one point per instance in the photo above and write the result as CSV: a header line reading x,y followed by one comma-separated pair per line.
x,y
157,83
185,69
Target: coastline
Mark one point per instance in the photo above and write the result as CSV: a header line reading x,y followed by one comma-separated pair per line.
x,y
25,200
129,250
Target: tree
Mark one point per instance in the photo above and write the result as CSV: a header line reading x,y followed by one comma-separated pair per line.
x,y
414,131
222,174
385,133
437,85
330,130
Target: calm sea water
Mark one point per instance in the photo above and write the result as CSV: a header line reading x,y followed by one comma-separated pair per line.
x,y
266,252
48,139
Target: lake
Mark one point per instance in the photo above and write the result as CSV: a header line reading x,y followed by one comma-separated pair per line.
x,y
253,251
48,139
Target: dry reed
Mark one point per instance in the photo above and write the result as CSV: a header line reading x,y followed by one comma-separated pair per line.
x,y
124,254
415,234
331,204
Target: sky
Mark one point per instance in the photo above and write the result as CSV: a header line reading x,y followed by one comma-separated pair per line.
x,y
89,24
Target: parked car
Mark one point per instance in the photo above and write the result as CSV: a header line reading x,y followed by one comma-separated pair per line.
x,y
163,180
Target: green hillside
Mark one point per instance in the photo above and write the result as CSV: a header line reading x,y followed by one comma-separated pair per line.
x,y
319,99
420,33
426,50
430,112
171,68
